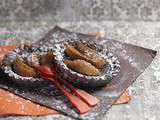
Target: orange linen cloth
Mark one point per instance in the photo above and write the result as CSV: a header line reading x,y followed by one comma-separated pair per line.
x,y
11,104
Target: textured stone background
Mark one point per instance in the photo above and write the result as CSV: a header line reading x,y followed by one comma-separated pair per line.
x,y
131,21
75,10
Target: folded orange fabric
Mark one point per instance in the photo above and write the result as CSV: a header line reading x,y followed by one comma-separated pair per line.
x,y
11,104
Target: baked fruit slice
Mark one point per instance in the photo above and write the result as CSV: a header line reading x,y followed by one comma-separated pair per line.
x,y
47,59
83,67
22,68
82,51
92,55
74,54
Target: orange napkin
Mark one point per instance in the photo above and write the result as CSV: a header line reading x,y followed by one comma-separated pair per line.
x,y
11,104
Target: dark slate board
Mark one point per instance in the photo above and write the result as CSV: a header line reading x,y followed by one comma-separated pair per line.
x,y
133,61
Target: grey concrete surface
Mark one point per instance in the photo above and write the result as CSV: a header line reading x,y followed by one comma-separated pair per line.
x,y
76,10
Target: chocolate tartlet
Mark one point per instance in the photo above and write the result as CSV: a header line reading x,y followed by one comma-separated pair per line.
x,y
19,64
68,57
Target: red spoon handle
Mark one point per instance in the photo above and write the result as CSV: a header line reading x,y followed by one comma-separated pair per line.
x,y
86,97
80,105
91,100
